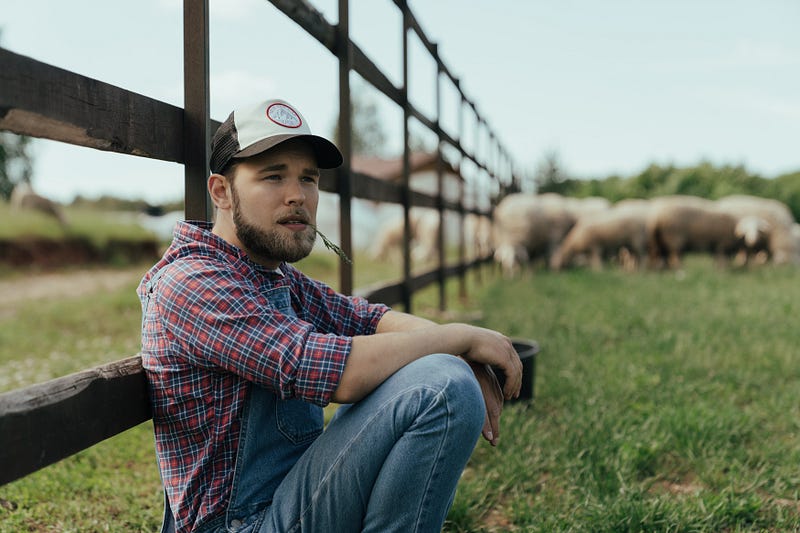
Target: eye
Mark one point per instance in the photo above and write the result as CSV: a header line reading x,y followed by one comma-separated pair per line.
x,y
310,179
272,177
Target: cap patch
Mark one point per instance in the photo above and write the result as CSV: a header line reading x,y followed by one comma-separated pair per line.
x,y
283,115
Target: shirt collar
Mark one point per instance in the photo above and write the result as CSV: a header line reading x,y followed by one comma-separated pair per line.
x,y
200,231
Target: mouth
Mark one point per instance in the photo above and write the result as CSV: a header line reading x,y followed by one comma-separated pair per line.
x,y
295,222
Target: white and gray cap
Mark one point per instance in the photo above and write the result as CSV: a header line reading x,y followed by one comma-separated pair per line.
x,y
253,129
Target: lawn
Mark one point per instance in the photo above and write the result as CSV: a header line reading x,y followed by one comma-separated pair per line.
x,y
663,402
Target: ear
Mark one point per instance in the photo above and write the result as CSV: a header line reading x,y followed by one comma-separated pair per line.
x,y
219,190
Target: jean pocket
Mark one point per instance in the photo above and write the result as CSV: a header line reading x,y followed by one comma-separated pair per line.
x,y
298,421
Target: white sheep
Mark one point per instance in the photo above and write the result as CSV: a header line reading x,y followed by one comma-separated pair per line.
x,y
680,224
754,233
780,243
616,232
528,227
424,237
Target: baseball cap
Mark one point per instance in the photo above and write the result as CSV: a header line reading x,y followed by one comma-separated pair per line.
x,y
253,129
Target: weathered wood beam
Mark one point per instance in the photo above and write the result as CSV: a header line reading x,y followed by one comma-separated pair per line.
x,y
307,17
41,100
46,422
370,188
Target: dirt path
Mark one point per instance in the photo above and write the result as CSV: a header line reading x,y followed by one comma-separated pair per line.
x,y
19,290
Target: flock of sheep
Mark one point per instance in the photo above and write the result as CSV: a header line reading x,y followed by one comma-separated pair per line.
x,y
560,231
656,233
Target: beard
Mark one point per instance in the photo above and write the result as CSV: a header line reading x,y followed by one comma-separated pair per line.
x,y
271,245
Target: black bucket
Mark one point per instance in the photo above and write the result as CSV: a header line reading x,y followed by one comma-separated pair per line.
x,y
527,350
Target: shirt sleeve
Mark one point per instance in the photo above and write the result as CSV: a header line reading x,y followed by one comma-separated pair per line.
x,y
332,315
218,319
330,311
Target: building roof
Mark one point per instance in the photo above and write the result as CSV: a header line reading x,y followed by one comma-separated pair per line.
x,y
392,169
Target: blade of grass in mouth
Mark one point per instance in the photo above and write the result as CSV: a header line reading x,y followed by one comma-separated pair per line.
x,y
332,246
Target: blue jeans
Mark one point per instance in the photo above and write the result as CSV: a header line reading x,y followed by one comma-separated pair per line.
x,y
390,462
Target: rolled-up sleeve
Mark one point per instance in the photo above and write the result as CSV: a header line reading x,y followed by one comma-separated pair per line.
x,y
320,367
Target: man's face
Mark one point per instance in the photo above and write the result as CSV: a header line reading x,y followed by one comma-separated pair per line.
x,y
274,203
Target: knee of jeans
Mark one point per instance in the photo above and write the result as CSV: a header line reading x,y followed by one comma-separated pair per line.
x,y
460,387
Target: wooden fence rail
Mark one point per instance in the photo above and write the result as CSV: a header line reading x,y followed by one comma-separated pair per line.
x,y
44,423
47,422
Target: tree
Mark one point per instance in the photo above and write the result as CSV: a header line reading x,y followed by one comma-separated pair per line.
x,y
549,176
16,163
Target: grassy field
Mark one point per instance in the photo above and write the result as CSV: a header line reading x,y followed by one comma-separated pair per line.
x,y
664,402
97,226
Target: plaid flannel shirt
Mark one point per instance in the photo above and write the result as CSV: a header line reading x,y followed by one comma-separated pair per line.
x,y
208,330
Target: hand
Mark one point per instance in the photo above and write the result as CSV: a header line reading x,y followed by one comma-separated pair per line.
x,y
493,397
492,348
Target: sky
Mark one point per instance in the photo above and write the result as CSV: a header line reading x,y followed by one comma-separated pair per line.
x,y
609,87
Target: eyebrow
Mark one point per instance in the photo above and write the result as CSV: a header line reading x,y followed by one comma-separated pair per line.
x,y
282,166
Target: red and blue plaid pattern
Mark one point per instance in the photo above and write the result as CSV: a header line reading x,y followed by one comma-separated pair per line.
x,y
208,329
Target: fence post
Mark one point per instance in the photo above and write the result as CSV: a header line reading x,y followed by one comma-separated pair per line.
x,y
406,193
462,275
196,121
343,174
440,182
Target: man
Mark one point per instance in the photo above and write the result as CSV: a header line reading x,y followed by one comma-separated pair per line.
x,y
241,351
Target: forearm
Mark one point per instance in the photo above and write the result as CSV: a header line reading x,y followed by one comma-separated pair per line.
x,y
373,358
398,321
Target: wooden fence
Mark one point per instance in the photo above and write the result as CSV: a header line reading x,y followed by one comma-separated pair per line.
x,y
44,423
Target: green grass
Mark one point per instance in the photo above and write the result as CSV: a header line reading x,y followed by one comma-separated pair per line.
x,y
97,226
45,339
113,486
664,402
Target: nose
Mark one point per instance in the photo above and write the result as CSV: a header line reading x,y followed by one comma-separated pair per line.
x,y
295,195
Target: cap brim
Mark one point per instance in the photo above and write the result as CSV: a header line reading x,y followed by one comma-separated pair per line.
x,y
328,156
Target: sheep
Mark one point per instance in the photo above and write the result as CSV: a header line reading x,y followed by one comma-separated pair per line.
x,y
528,227
605,234
424,237
425,244
679,224
590,205
779,242
390,238
478,231
754,232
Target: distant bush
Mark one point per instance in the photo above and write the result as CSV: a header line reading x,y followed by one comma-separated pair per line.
x,y
113,203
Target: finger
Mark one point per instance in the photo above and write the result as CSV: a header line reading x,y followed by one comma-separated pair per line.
x,y
518,365
494,422
487,432
513,373
519,373
493,412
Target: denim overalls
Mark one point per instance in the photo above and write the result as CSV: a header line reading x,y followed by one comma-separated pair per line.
x,y
274,434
